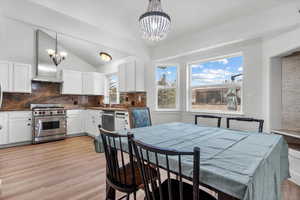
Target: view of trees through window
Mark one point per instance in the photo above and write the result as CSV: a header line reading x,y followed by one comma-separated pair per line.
x,y
113,82
166,84
217,84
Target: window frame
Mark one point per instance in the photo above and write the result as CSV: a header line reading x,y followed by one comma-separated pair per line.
x,y
106,93
177,108
189,91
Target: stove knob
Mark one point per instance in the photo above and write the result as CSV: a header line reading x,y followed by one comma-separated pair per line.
x,y
40,112
51,112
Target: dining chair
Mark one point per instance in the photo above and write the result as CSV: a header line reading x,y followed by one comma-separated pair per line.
x,y
260,122
163,161
122,173
219,119
140,117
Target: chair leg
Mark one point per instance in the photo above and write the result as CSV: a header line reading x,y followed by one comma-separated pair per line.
x,y
134,195
128,196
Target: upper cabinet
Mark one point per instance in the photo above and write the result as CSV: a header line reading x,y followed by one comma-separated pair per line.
x,y
92,83
131,76
82,83
72,82
15,77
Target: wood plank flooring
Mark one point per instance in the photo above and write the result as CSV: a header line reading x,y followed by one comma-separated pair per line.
x,y
64,170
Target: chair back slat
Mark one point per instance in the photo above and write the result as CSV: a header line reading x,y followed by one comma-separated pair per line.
x,y
219,119
118,162
243,119
163,161
140,117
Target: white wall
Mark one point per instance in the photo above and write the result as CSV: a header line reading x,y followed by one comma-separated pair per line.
x,y
18,45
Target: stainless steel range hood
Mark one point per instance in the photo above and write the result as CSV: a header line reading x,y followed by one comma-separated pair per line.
x,y
46,71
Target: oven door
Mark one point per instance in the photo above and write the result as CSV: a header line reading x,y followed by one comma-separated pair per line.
x,y
48,126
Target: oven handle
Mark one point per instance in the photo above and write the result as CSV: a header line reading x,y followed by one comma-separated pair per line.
x,y
61,117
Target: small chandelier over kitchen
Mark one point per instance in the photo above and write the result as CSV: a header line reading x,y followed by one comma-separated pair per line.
x,y
55,56
155,24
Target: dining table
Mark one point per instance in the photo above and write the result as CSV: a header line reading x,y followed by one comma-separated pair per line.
x,y
243,165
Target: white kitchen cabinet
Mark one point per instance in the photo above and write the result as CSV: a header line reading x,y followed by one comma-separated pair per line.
x,y
93,120
3,128
20,129
5,73
21,78
131,76
15,77
75,122
92,83
72,82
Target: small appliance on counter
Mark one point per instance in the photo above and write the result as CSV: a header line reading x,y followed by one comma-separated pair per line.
x,y
122,120
49,122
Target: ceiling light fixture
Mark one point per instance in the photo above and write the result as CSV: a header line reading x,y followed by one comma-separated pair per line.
x,y
155,24
105,57
55,56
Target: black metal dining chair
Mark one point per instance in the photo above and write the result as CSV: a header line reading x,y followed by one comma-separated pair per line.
x,y
140,117
243,119
219,119
169,189
122,173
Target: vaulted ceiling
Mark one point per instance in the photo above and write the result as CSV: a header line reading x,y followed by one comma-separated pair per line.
x,y
120,17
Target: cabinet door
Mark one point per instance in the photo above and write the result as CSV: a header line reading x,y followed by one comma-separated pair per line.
x,y
21,78
130,76
3,128
74,125
140,76
72,82
122,78
99,84
5,73
20,130
87,83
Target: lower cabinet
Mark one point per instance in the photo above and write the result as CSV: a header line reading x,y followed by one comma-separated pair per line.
x,y
19,125
75,122
3,128
93,120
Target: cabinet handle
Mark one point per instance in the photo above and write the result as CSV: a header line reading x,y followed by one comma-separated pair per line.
x,y
29,119
1,127
28,124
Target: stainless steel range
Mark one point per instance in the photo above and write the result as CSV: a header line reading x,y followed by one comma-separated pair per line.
x,y
49,122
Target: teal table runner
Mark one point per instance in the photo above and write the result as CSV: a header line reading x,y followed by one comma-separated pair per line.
x,y
245,165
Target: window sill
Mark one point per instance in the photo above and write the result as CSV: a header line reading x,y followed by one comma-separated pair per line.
x,y
216,112
167,110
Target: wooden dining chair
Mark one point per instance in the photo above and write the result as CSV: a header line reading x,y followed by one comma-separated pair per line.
x,y
219,119
161,159
140,117
122,173
260,122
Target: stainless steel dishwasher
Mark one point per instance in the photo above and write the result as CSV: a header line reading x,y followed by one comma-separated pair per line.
x,y
108,120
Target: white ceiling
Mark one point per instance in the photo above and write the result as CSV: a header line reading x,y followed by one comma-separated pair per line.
x,y
120,17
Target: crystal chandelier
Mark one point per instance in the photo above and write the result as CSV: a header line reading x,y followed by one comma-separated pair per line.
x,y
155,23
55,56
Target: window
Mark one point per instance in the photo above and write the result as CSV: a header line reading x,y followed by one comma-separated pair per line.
x,y
216,84
112,89
167,87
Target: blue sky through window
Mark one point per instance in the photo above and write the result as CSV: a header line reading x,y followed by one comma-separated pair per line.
x,y
169,71
216,71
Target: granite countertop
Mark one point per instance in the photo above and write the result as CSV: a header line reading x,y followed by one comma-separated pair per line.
x,y
68,108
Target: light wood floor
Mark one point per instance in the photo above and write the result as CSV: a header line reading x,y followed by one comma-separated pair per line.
x,y
63,170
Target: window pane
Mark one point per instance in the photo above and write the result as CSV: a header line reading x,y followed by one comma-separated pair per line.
x,y
216,84
113,88
166,76
166,98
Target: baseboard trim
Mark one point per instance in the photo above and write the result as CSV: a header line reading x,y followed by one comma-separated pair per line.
x,y
4,146
295,177
77,135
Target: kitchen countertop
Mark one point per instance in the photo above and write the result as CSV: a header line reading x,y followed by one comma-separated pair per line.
x,y
68,108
